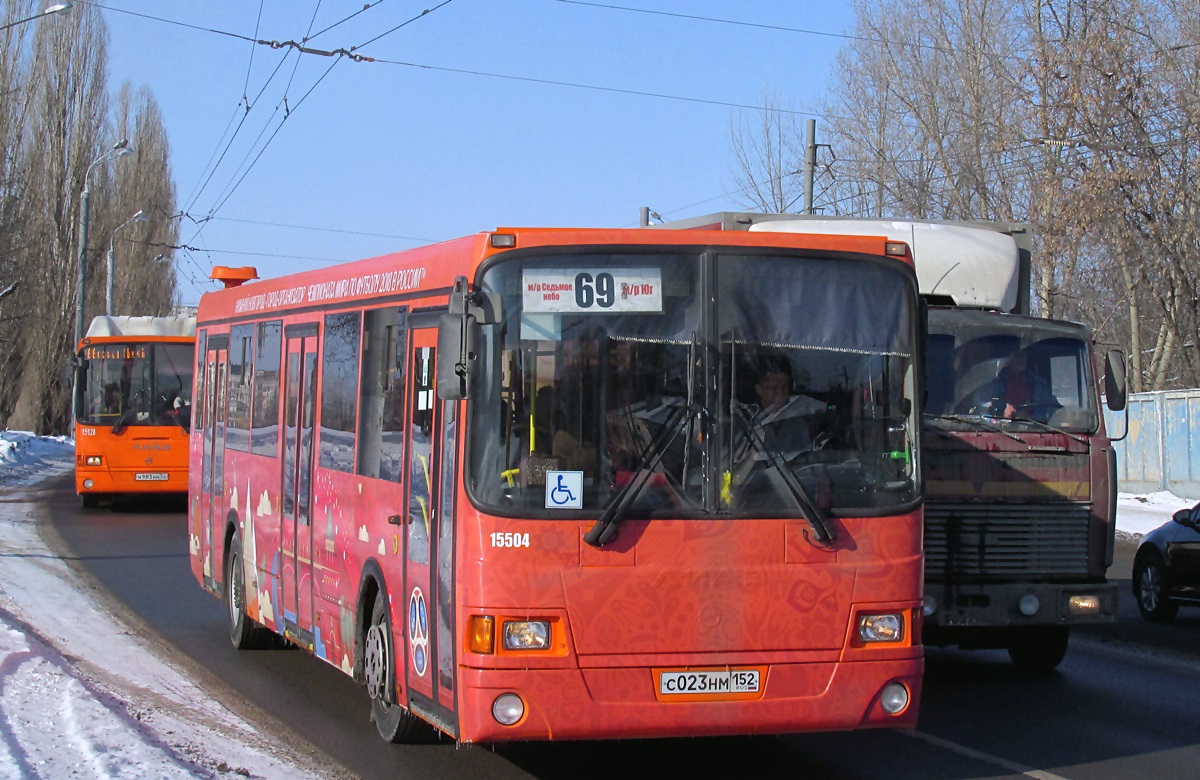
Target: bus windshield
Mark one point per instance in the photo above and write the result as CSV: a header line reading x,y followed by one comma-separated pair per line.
x,y
729,382
1025,371
136,384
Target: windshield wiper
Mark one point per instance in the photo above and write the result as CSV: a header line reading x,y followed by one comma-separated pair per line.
x,y
1049,427
128,414
980,422
763,441
605,529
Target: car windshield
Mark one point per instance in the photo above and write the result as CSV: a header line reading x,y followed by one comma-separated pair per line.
x,y
723,382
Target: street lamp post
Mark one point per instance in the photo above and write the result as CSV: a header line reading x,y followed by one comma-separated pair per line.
x,y
108,295
119,149
50,11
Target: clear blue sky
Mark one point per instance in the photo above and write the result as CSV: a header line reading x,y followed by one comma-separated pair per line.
x,y
503,113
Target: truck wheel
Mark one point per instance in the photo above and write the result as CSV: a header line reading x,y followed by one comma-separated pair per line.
x,y
1150,589
1038,650
393,721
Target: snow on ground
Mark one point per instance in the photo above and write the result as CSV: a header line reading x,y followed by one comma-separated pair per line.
x,y
80,696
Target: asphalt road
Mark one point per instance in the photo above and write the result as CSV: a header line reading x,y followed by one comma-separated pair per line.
x,y
1120,706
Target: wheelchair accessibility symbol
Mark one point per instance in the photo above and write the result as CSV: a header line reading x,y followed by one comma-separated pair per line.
x,y
564,490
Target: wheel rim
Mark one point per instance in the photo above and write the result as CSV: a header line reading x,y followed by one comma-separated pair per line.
x,y
376,663
1151,585
236,598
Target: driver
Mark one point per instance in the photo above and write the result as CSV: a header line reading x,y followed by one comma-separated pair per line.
x,y
1021,389
782,416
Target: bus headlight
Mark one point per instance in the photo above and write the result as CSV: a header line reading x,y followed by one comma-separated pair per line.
x,y
92,460
893,698
526,635
508,708
888,627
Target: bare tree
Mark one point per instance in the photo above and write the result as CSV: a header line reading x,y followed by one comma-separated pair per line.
x,y
769,159
144,278
67,80
1078,116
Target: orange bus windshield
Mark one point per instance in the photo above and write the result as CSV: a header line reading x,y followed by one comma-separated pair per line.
x,y
135,383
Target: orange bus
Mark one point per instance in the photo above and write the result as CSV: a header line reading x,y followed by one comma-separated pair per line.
x,y
521,487
132,406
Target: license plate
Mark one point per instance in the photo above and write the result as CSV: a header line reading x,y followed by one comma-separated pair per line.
x,y
150,477
709,682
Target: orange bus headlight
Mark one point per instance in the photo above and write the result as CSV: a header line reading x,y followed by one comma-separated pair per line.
x,y
93,460
526,635
888,627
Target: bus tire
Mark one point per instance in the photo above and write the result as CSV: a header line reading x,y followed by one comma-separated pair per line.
x,y
1038,650
393,721
89,500
243,631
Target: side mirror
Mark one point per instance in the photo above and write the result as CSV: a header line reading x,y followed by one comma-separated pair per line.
x,y
458,355
1114,380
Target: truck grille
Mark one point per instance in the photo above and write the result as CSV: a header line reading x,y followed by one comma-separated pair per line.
x,y
1001,542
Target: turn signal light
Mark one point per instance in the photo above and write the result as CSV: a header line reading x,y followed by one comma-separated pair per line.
x,y
481,634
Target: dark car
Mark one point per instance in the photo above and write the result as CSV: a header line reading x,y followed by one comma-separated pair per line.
x,y
1166,567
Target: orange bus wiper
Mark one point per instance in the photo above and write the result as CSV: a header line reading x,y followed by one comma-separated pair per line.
x,y
605,529
762,440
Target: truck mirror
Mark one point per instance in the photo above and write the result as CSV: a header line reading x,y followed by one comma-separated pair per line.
x,y
1114,379
458,355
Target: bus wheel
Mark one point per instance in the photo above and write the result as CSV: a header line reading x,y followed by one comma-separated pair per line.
x,y
89,500
243,631
1038,650
394,722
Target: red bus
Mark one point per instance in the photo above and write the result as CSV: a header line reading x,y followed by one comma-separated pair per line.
x,y
519,484
132,406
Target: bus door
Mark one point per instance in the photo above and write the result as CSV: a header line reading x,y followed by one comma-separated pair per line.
x,y
214,499
428,593
295,536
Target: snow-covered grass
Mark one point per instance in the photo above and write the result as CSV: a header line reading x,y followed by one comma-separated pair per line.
x,y
82,696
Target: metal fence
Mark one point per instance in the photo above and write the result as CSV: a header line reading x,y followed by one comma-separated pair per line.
x,y
1162,449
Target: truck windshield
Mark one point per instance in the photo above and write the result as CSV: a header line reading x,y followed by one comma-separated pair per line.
x,y
1026,371
604,366
134,384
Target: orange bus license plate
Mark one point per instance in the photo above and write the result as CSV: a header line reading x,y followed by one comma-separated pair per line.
x,y
740,683
149,477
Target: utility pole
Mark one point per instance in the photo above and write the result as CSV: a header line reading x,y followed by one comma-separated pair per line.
x,y
810,163
119,149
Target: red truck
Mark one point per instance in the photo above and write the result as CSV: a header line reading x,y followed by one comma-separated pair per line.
x,y
1020,499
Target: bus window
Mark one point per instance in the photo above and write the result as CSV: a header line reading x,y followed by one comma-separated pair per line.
x,y
339,390
381,401
264,430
